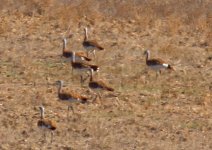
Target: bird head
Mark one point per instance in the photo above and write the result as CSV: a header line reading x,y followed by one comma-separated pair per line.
x,y
41,108
146,52
59,82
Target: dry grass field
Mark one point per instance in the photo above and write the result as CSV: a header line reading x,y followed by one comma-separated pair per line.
x,y
173,112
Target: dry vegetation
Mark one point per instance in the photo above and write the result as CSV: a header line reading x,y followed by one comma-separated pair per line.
x,y
171,113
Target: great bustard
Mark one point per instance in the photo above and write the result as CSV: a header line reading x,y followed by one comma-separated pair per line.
x,y
90,45
80,55
82,66
46,123
98,86
70,96
156,64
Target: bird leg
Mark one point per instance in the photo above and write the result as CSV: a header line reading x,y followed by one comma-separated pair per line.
x,y
72,73
42,138
44,134
52,134
118,101
94,100
87,76
81,80
157,74
87,52
72,109
100,98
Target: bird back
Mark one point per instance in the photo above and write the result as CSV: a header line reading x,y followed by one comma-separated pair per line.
x,y
100,84
44,123
92,44
152,62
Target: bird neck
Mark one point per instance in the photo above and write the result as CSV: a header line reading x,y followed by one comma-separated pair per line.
x,y
60,87
86,35
91,76
147,56
64,45
42,114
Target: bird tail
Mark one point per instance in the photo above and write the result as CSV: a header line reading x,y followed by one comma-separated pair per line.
x,y
53,128
170,67
109,89
84,100
100,48
95,68
87,58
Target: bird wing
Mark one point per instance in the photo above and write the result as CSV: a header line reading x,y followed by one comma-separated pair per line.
x,y
67,95
47,124
156,62
94,44
101,84
81,53
94,67
67,53
84,55
77,95
84,65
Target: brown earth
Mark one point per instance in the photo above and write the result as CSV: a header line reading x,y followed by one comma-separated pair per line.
x,y
169,113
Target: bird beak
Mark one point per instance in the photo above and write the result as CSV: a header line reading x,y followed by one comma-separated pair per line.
x,y
144,53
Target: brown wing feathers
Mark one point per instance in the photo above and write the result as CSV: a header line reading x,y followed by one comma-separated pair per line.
x,y
100,84
92,44
158,61
64,95
155,62
47,124
82,65
83,55
69,95
69,54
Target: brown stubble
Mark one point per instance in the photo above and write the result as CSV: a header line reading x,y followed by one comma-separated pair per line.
x,y
169,113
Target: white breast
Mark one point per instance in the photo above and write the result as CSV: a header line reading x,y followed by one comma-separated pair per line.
x,y
158,67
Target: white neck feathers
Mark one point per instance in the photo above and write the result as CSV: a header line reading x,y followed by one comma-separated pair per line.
x,y
42,111
86,34
64,43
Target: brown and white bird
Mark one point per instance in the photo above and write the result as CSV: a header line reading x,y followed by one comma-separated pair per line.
x,y
70,96
82,66
90,45
81,55
156,64
46,124
98,86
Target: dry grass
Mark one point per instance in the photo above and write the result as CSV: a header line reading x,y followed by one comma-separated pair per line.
x,y
173,112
